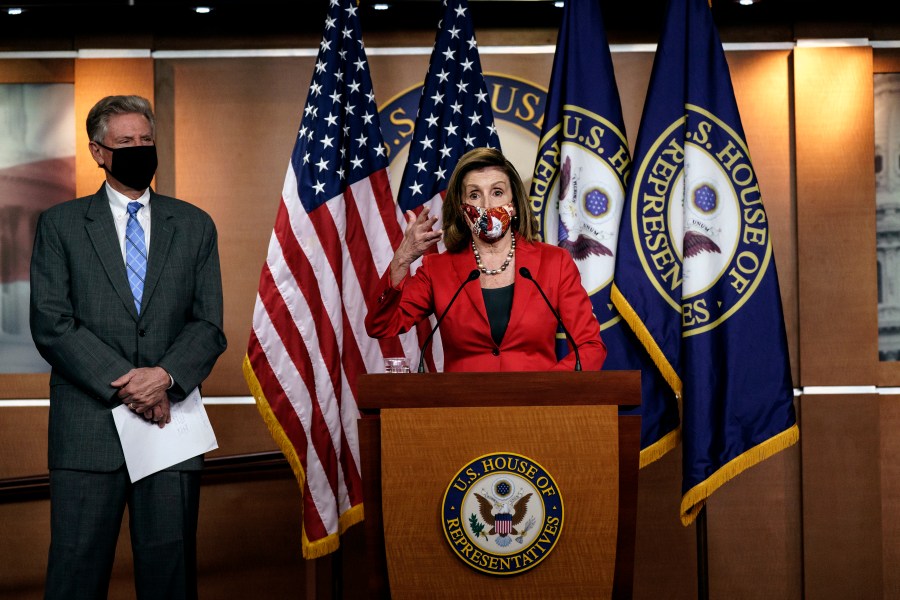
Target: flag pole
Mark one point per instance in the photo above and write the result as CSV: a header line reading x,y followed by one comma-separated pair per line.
x,y
702,556
337,574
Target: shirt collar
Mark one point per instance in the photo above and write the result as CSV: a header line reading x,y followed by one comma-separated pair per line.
x,y
119,202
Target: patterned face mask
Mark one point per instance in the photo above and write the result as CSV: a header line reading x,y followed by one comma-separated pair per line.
x,y
490,224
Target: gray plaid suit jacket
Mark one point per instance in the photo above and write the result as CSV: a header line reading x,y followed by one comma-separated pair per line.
x,y
84,322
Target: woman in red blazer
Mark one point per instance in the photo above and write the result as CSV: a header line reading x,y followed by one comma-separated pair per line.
x,y
502,324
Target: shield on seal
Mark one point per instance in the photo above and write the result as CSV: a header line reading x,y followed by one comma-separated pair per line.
x,y
503,523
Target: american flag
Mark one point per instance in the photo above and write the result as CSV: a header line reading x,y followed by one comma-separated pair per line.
x,y
454,112
454,117
335,232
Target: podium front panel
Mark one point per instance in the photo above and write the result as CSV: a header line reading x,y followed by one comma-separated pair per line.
x,y
424,448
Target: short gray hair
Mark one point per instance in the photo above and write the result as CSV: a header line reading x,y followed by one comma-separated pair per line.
x,y
98,118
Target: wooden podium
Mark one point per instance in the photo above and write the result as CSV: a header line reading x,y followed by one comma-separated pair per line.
x,y
419,429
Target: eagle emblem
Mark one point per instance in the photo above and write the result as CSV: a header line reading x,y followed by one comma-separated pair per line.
x,y
696,243
571,236
704,204
503,515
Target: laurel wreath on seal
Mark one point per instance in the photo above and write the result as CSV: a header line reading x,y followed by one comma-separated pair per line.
x,y
477,526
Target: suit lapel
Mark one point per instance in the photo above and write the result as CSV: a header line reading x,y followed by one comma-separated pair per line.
x,y
102,232
463,263
161,232
525,296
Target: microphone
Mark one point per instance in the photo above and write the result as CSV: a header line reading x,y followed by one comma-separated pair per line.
x,y
524,272
472,277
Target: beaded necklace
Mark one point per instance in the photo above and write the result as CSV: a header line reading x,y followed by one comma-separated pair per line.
x,y
509,257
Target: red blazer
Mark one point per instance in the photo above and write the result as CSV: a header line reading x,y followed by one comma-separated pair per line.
x,y
530,339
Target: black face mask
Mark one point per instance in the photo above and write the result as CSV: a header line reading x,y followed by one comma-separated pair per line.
x,y
134,166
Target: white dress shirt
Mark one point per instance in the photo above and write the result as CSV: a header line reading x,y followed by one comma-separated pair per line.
x,y
118,203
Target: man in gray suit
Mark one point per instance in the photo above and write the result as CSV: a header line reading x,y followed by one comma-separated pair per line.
x,y
126,306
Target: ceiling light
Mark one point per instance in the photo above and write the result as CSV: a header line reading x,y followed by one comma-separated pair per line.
x,y
202,10
559,4
381,6
14,11
747,2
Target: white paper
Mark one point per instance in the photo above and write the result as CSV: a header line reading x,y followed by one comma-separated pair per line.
x,y
149,449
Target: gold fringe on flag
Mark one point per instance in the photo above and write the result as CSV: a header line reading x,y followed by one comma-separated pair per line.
x,y
646,340
330,543
660,447
695,498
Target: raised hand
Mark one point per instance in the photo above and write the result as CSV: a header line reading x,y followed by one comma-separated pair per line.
x,y
417,239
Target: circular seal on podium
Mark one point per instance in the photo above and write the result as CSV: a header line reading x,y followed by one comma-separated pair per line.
x,y
502,513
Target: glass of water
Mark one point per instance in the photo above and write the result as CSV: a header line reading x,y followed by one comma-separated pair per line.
x,y
398,364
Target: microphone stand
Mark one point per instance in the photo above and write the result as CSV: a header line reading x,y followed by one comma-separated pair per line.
x,y
473,275
524,272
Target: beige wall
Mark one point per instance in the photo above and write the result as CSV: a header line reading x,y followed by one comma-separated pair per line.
x,y
818,519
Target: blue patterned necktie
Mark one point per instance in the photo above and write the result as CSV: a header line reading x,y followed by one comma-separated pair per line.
x,y
135,254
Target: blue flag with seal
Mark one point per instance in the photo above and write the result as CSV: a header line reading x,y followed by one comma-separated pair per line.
x,y
695,274
577,194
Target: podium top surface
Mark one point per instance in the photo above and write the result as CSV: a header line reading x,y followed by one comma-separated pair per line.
x,y
527,388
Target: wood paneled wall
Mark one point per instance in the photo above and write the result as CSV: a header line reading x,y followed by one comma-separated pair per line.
x,y
835,153
816,520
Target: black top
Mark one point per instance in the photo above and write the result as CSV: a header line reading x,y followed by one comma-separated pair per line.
x,y
498,302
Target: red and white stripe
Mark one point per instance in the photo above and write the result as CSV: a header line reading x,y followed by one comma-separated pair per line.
x,y
434,354
309,344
